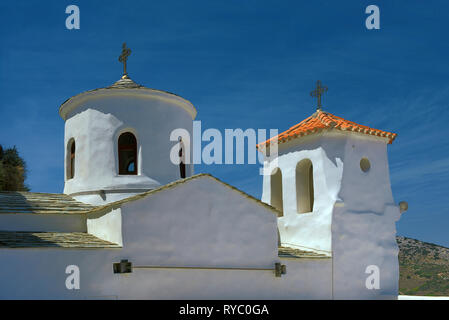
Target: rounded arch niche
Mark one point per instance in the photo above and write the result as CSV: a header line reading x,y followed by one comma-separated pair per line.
x,y
305,194
276,189
127,154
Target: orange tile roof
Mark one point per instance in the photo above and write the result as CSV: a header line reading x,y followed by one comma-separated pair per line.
x,y
322,120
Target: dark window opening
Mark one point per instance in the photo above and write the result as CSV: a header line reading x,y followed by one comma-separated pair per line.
x,y
71,164
276,190
182,166
305,194
127,154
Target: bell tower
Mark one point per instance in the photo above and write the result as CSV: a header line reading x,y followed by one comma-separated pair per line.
x,y
331,182
117,139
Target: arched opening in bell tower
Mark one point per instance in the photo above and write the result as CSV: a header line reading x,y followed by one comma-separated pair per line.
x,y
182,165
304,186
276,189
70,163
127,154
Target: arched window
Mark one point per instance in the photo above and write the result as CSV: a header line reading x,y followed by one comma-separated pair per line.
x,y
276,189
71,159
127,153
182,165
304,186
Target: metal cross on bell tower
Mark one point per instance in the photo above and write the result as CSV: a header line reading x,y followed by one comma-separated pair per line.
x,y
318,92
126,52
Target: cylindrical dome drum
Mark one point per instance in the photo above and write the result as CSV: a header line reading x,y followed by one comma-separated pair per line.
x,y
117,140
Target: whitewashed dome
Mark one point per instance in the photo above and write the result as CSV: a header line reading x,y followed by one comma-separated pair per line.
x,y
125,82
95,120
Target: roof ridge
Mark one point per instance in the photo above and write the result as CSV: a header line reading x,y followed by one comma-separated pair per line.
x,y
325,120
302,122
174,184
291,128
124,83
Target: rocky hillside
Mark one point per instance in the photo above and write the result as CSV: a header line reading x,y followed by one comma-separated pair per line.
x,y
424,268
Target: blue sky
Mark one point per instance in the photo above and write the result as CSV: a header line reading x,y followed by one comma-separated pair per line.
x,y
243,64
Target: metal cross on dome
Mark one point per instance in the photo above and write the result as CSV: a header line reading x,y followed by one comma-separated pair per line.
x,y
318,92
126,52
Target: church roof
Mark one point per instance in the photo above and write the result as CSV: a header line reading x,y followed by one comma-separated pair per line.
x,y
40,203
78,240
49,203
55,203
124,83
322,120
171,185
285,252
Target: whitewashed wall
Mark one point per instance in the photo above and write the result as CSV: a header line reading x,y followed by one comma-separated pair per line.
x,y
40,274
204,223
309,230
43,222
198,223
96,120
363,228
354,212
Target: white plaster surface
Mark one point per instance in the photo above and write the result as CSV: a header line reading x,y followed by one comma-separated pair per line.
x,y
354,214
43,222
199,223
305,279
95,125
204,223
309,230
106,225
364,223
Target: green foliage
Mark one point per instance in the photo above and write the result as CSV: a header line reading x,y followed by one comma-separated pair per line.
x,y
12,170
424,268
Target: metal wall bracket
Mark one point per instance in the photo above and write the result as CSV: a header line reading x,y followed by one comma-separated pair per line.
x,y
125,266
280,269
122,267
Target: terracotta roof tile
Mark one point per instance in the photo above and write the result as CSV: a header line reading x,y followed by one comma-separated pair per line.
x,y
322,120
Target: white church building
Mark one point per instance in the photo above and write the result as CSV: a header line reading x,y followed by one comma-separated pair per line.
x,y
130,224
